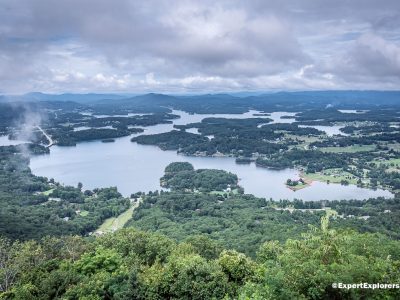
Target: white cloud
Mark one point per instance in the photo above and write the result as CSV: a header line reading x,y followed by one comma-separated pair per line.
x,y
131,45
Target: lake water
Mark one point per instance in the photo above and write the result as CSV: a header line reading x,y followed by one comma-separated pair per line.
x,y
352,111
80,128
4,141
329,130
133,167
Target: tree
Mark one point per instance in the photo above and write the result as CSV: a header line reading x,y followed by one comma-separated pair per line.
x,y
306,268
204,246
188,277
101,259
9,270
237,266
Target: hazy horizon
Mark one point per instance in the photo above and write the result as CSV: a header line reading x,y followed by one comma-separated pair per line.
x,y
239,93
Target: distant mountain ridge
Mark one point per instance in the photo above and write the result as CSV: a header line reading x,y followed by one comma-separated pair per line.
x,y
80,98
223,103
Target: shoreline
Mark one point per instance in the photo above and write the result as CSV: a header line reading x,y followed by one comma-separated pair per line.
x,y
307,183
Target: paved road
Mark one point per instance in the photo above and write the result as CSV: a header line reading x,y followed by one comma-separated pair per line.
x,y
51,142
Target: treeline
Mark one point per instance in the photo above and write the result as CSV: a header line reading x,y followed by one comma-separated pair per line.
x,y
68,118
70,138
225,126
257,128
361,140
143,120
131,264
311,160
234,147
327,116
370,129
191,144
173,140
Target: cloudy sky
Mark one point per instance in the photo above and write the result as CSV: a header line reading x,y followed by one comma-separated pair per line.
x,y
198,46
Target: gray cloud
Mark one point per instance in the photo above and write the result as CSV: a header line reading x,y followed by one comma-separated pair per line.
x,y
175,46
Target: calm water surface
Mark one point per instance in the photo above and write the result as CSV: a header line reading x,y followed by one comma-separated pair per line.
x,y
4,141
329,130
132,167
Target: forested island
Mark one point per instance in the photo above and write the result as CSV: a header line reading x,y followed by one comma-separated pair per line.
x,y
183,177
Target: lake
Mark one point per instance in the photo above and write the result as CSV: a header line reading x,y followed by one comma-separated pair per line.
x,y
4,141
329,130
132,167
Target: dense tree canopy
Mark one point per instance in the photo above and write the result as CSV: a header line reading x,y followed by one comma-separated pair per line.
x,y
131,264
182,176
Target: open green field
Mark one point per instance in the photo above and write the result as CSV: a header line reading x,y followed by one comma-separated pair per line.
x,y
48,192
84,213
234,191
304,138
298,186
350,149
394,146
395,161
115,223
393,164
107,225
333,175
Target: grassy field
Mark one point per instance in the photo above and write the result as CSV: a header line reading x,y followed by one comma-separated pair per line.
x,y
84,213
350,149
395,161
394,146
333,175
304,138
298,186
234,191
106,226
47,193
115,223
393,164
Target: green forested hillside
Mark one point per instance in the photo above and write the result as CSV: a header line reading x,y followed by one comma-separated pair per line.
x,y
131,264
33,207
241,222
244,222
